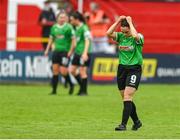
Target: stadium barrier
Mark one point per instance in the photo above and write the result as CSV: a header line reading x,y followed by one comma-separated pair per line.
x,y
34,67
24,67
157,68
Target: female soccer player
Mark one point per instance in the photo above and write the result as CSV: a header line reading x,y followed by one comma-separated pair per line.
x,y
130,44
63,37
81,57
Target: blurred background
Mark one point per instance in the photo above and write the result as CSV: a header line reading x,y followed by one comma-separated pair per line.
x,y
25,25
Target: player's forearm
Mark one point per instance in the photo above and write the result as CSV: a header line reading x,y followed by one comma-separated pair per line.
x,y
73,45
87,43
112,29
133,30
50,42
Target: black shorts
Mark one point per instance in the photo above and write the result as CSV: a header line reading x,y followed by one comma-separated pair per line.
x,y
128,76
77,60
60,58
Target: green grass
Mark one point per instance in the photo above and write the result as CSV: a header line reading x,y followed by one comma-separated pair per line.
x,y
29,112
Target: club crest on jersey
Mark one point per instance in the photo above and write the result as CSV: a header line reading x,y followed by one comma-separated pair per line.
x,y
126,48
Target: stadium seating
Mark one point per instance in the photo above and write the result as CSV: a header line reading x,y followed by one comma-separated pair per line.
x,y
158,21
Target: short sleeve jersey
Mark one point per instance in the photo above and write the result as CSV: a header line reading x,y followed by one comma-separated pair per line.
x,y
82,33
130,50
62,36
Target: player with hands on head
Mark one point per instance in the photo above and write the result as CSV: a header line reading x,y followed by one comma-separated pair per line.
x,y
130,45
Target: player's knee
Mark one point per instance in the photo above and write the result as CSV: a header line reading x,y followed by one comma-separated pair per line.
x,y
72,71
127,96
83,74
64,73
55,72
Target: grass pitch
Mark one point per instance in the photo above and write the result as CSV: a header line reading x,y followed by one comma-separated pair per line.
x,y
29,112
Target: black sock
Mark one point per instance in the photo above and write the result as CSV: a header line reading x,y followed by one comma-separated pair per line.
x,y
126,112
54,82
84,85
134,113
78,78
68,80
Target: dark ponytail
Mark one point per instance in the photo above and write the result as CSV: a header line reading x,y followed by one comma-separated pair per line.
x,y
79,16
124,23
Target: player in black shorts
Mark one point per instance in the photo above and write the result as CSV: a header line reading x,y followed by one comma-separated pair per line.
x,y
82,51
63,36
130,44
77,60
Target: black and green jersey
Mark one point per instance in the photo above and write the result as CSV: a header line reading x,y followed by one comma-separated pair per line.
x,y
82,32
62,36
130,50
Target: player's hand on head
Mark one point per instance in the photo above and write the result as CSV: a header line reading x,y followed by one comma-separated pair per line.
x,y
123,17
129,19
120,18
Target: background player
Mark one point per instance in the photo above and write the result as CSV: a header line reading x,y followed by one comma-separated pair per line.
x,y
63,37
81,57
46,19
130,44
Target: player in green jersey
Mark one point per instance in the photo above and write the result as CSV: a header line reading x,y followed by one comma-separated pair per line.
x,y
82,51
62,35
130,44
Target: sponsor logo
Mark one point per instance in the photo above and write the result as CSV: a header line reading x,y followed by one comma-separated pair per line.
x,y
149,68
105,69
59,36
37,67
11,67
25,67
126,48
168,72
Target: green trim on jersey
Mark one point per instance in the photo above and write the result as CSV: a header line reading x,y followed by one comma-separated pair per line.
x,y
62,36
82,32
130,51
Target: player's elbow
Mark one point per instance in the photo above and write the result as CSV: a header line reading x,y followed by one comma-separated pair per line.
x,y
108,34
135,35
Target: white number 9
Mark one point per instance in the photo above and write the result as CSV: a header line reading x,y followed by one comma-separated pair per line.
x,y
133,79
